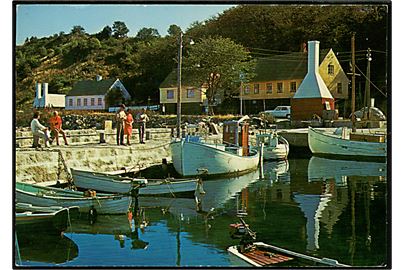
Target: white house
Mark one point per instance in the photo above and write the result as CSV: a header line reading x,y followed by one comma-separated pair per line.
x,y
91,94
44,99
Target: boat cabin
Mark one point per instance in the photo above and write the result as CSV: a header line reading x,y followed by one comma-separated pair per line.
x,y
236,134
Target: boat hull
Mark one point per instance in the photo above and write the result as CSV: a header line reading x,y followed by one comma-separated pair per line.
x,y
112,184
190,159
40,196
322,143
52,222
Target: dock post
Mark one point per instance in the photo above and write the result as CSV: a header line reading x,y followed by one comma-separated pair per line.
x,y
261,176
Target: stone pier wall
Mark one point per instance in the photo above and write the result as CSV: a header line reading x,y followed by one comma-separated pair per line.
x,y
47,164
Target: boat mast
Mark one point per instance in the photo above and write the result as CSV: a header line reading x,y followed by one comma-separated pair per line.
x,y
179,85
353,83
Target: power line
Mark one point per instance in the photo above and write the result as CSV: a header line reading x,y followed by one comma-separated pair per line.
x,y
384,94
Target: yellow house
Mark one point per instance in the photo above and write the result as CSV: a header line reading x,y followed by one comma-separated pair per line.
x,y
278,78
193,98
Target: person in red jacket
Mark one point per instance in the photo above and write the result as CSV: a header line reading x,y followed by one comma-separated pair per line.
x,y
55,122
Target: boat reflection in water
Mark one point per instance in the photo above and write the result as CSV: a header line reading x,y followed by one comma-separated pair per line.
x,y
33,248
324,197
217,193
122,227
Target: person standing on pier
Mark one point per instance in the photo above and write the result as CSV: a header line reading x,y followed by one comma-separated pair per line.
x,y
120,118
39,131
128,126
55,122
143,118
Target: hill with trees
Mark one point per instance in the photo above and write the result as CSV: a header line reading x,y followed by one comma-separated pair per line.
x,y
142,62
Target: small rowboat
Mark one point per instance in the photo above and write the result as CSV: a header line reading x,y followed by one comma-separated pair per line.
x,y
265,255
48,196
52,220
259,254
117,183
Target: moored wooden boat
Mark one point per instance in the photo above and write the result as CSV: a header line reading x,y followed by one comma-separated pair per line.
x,y
274,146
52,220
324,143
264,255
191,156
117,183
48,196
259,254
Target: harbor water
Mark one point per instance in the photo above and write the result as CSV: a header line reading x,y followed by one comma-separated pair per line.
x,y
321,207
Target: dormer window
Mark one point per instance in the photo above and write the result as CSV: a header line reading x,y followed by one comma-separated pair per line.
x,y
331,69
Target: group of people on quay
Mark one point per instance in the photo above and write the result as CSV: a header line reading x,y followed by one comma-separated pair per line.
x,y
124,123
125,120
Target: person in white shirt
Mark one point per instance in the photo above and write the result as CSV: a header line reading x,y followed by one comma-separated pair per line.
x,y
39,131
120,117
142,118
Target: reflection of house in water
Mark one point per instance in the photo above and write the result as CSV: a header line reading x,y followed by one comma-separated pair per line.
x,y
312,203
324,197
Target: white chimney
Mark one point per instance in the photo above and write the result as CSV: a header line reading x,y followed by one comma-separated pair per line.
x,y
45,89
99,78
313,85
38,90
313,56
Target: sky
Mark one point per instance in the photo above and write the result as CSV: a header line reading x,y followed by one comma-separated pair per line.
x,y
42,20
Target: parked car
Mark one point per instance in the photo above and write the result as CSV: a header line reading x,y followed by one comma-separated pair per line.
x,y
375,113
279,112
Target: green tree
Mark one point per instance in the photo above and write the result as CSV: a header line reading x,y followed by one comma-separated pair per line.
x,y
114,97
119,29
217,63
147,34
77,30
174,30
106,33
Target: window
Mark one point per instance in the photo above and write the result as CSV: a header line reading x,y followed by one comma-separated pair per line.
x,y
78,102
247,89
269,88
70,102
256,88
92,102
170,94
339,88
85,102
331,69
280,87
190,93
293,87
99,101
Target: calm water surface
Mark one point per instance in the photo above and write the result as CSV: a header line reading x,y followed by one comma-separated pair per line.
x,y
322,207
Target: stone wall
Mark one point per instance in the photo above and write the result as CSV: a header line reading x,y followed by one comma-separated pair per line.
x,y
47,164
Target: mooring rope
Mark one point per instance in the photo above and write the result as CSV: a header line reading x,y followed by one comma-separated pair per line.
x,y
18,249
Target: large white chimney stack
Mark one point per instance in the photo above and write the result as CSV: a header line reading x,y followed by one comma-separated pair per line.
x,y
313,56
313,85
38,90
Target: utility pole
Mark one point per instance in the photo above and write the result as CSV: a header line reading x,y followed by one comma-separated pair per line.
x,y
368,97
353,83
180,56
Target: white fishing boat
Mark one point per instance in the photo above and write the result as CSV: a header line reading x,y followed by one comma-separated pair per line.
x,y
191,156
118,183
354,145
274,146
86,201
